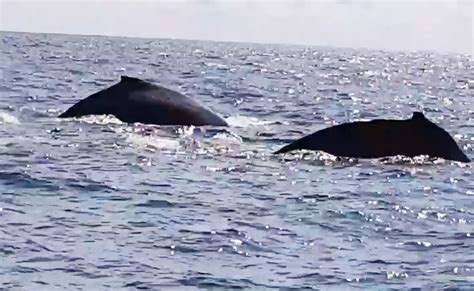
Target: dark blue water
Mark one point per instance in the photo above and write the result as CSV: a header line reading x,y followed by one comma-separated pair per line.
x,y
95,204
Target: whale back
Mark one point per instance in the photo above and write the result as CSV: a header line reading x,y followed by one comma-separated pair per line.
x,y
135,100
381,138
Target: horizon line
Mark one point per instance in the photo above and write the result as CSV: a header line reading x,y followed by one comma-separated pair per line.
x,y
245,42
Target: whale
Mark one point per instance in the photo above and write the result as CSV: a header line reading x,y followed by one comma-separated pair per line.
x,y
415,136
133,100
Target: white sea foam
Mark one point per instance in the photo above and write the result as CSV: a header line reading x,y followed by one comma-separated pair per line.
x,y
100,119
6,118
227,138
153,142
245,121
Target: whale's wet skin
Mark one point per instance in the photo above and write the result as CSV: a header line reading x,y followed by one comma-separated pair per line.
x,y
134,100
380,138
92,203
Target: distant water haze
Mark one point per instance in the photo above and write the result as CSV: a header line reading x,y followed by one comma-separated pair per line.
x,y
440,26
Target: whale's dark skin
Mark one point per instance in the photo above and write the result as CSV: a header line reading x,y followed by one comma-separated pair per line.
x,y
135,100
383,138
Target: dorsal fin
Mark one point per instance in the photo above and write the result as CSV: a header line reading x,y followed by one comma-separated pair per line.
x,y
127,79
417,115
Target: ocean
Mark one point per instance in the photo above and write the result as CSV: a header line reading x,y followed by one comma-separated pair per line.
x,y
97,204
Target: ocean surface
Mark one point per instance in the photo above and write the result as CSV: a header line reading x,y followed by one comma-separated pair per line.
x,y
96,204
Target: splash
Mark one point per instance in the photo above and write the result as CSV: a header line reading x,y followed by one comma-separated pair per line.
x,y
152,142
6,118
100,119
186,131
227,137
245,121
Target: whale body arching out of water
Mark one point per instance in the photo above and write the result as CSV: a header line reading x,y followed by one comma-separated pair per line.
x,y
135,100
382,138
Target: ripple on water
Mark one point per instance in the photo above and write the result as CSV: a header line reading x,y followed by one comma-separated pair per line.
x,y
93,203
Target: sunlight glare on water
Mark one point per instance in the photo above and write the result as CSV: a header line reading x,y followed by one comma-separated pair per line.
x,y
96,204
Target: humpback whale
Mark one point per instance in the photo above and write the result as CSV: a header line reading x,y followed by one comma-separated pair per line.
x,y
134,100
382,138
